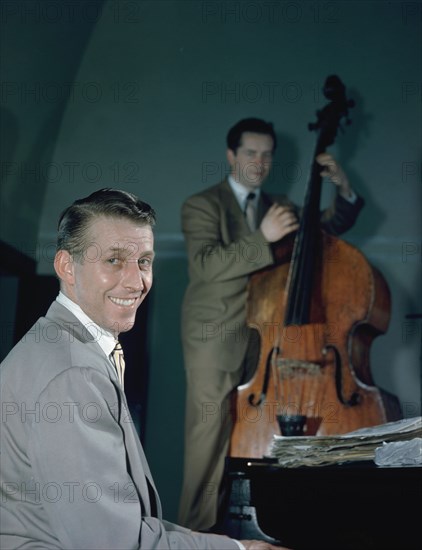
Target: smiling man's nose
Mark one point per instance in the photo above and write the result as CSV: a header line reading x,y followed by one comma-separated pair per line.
x,y
133,278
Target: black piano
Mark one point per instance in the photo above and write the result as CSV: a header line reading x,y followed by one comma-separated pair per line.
x,y
354,506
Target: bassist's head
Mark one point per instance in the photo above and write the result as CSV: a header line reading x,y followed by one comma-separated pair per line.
x,y
250,147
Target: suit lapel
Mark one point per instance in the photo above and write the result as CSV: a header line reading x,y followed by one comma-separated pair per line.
x,y
140,472
236,222
78,331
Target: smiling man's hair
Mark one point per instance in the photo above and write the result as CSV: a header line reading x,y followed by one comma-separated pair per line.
x,y
76,220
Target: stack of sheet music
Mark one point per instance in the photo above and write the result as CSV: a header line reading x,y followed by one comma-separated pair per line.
x,y
335,449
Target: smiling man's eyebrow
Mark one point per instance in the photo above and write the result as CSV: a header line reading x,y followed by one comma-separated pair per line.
x,y
129,248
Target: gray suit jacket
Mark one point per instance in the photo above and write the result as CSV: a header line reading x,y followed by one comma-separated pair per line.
x,y
73,472
222,254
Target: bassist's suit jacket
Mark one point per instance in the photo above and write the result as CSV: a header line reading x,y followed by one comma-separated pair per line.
x,y
73,472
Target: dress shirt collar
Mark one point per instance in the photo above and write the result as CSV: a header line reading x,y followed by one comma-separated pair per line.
x,y
104,339
240,192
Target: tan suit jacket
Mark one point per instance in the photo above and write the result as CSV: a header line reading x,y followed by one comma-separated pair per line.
x,y
222,253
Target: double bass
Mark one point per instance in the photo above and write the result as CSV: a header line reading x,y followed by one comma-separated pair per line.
x,y
317,311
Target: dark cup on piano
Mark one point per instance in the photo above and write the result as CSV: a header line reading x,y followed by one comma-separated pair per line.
x,y
291,424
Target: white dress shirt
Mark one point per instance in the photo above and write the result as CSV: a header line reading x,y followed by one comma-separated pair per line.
x,y
104,339
241,193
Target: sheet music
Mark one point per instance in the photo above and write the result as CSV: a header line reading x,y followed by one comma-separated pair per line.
x,y
336,449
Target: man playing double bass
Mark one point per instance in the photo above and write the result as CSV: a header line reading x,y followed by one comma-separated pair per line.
x,y
228,229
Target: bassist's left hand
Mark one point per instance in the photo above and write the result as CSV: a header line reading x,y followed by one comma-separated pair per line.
x,y
335,173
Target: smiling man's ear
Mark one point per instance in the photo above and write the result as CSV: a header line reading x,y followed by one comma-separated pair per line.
x,y
64,266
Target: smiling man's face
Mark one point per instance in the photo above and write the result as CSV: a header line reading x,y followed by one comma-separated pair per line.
x,y
115,274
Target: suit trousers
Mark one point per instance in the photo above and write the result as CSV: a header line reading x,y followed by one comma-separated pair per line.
x,y
208,427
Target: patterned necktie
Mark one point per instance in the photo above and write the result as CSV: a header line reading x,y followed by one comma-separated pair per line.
x,y
250,211
119,362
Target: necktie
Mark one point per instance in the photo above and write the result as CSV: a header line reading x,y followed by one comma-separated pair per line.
x,y
119,362
250,212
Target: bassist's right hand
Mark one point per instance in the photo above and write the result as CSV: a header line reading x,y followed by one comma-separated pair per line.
x,y
278,222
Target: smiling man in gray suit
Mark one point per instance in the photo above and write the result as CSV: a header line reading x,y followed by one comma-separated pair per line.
x,y
73,472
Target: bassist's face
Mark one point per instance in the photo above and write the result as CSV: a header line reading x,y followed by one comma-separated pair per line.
x,y
251,163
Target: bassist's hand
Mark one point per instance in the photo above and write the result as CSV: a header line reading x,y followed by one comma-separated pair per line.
x,y
333,171
278,222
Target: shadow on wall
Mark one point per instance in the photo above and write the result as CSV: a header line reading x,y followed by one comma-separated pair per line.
x,y
350,142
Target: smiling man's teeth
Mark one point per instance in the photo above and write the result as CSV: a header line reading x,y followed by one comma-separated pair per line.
x,y
121,302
